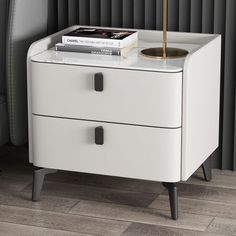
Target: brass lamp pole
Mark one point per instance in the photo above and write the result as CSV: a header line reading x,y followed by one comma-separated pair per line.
x,y
164,52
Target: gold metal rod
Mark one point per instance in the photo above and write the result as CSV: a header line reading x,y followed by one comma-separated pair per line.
x,y
164,52
165,22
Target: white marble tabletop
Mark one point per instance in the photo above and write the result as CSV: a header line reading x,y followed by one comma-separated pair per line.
x,y
133,60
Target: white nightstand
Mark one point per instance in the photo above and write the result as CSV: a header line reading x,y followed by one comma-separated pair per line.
x,y
125,116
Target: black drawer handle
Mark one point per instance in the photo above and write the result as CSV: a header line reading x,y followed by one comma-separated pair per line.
x,y
98,82
99,135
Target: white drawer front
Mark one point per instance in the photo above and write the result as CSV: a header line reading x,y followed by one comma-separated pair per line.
x,y
128,151
128,96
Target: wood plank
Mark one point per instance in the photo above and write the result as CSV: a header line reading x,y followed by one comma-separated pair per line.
x,y
23,230
217,172
224,172
97,194
197,206
10,194
223,226
218,180
60,221
18,174
207,193
23,199
141,215
153,230
13,184
107,182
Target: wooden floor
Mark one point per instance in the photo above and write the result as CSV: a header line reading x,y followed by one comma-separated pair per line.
x,y
84,204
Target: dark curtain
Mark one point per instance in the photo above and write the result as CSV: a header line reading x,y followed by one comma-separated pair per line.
x,y
208,16
3,30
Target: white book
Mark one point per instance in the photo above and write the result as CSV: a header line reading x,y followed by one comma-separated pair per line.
x,y
98,37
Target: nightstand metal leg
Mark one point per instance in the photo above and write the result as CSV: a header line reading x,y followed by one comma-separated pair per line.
x,y
38,179
206,167
173,198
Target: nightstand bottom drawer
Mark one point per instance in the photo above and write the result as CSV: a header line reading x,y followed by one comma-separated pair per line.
x,y
107,148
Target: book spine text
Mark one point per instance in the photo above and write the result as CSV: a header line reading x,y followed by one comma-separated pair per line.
x,y
91,50
90,42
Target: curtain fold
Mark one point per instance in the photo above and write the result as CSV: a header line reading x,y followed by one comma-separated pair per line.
x,y
3,26
128,13
105,13
228,150
184,15
196,16
207,16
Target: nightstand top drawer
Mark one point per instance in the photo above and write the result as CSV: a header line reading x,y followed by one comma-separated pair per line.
x,y
111,95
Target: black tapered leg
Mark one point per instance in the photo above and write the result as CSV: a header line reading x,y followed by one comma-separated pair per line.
x,y
38,179
173,198
206,167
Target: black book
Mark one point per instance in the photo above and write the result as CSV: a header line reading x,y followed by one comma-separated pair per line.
x,y
100,37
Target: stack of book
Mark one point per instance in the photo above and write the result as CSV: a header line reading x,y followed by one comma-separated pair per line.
x,y
98,41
